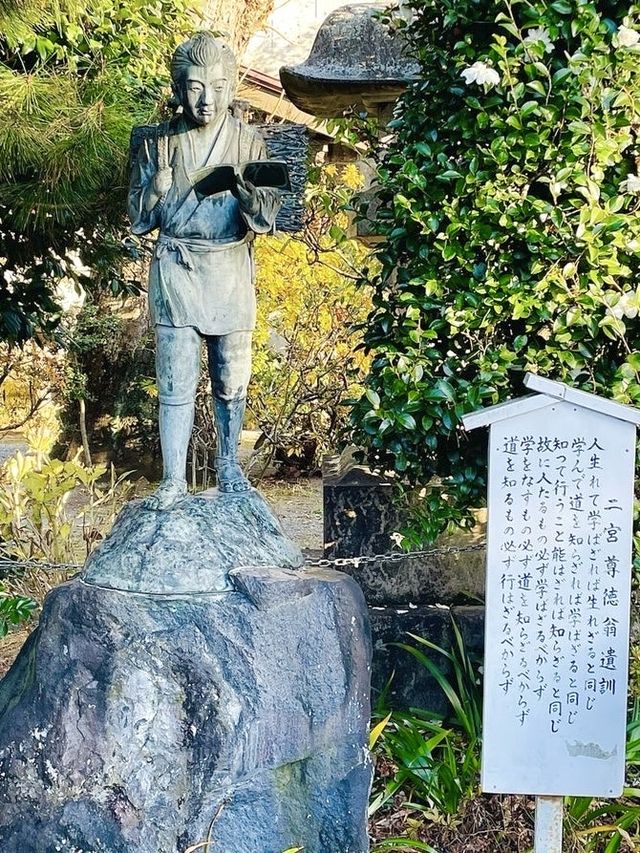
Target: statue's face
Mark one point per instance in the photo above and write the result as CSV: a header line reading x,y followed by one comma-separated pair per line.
x,y
206,92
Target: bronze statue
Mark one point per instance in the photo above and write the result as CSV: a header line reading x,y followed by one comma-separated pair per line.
x,y
201,281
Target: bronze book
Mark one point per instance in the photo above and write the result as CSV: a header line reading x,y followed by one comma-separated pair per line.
x,y
223,178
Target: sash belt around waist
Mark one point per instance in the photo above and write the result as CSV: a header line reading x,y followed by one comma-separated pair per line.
x,y
184,247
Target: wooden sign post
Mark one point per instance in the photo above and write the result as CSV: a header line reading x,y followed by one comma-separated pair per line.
x,y
558,590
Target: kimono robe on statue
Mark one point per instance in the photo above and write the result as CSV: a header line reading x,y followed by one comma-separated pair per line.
x,y
201,274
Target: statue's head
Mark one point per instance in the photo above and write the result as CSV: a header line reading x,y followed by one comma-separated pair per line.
x,y
204,73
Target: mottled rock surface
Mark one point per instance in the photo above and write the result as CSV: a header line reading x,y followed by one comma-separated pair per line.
x,y
145,724
191,547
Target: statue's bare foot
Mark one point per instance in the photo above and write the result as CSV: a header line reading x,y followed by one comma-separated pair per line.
x,y
168,493
230,476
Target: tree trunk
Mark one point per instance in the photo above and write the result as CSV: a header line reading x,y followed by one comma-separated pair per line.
x,y
83,432
237,21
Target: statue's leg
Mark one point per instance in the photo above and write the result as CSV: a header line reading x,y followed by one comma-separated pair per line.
x,y
177,370
230,371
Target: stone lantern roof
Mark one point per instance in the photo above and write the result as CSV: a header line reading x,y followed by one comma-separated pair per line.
x,y
355,62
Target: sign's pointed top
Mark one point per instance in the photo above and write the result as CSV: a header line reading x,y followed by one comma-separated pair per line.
x,y
547,393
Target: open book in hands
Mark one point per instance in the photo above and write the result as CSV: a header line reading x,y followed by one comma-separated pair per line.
x,y
223,178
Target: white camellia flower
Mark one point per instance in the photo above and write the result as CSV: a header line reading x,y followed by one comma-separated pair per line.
x,y
539,34
480,73
630,304
627,37
632,184
626,306
405,11
617,311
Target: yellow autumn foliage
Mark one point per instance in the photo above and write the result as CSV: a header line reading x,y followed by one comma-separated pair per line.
x,y
305,358
31,377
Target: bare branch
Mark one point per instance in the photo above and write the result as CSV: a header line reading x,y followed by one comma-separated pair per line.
x,y
36,403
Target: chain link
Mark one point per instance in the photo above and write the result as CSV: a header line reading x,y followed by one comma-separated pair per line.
x,y
9,567
393,557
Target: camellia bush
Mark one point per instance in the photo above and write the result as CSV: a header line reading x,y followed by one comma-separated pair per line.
x,y
510,199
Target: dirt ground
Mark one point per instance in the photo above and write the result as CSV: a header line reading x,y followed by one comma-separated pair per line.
x,y
10,444
299,507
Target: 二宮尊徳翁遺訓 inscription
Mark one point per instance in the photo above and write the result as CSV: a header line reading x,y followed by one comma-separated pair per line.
x,y
558,592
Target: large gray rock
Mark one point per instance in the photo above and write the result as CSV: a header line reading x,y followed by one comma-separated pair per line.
x,y
135,723
191,547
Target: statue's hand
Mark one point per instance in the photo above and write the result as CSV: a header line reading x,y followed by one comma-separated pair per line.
x,y
162,180
247,195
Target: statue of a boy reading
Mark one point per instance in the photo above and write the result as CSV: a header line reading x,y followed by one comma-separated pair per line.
x,y
201,278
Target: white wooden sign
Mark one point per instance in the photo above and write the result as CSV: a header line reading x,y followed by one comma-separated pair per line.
x,y
560,509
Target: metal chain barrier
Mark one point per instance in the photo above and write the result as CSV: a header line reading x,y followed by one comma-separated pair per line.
x,y
393,557
9,567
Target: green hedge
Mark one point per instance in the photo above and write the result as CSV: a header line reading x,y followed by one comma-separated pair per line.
x,y
511,197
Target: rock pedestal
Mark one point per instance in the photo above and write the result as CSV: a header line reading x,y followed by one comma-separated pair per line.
x,y
151,723
191,547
